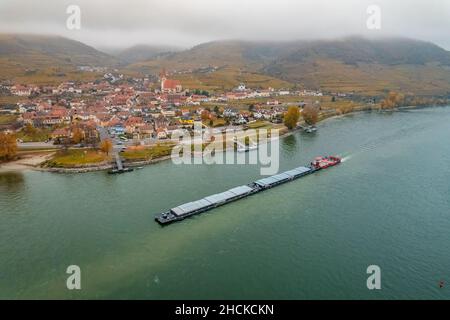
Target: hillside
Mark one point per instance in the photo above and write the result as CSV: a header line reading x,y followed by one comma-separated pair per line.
x,y
142,52
235,62
357,64
46,59
351,64
368,66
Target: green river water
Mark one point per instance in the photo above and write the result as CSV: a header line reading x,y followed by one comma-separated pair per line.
x,y
388,204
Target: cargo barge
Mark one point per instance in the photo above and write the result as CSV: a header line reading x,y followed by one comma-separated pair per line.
x,y
196,207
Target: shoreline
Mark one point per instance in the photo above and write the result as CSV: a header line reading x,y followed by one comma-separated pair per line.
x,y
28,162
33,162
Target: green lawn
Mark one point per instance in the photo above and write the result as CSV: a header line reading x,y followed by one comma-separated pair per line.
x,y
154,152
77,157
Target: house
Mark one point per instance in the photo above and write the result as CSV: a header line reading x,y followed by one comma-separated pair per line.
x,y
133,123
29,117
146,130
168,113
22,91
60,133
241,87
161,133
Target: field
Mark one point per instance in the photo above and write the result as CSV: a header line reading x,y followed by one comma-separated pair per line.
x,y
227,78
43,72
7,119
8,100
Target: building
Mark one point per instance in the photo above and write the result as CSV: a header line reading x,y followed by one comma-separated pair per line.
x,y
169,85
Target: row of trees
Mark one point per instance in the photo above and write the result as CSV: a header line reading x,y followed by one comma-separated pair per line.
x,y
8,146
310,115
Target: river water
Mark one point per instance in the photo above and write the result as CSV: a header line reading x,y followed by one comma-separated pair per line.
x,y
388,204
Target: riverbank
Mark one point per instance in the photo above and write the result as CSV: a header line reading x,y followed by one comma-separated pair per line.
x,y
34,162
102,167
26,162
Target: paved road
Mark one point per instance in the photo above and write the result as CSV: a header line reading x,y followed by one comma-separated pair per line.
x,y
37,145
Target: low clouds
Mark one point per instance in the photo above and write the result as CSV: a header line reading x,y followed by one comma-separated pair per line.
x,y
189,22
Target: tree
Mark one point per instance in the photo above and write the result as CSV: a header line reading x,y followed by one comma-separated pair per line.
x,y
8,146
204,115
29,130
393,100
77,136
291,117
311,115
106,146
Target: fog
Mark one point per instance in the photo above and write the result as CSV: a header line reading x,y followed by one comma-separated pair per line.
x,y
184,23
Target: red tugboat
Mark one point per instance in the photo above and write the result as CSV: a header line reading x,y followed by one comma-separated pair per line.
x,y
325,162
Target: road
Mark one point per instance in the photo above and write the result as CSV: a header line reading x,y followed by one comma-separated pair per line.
x,y
37,145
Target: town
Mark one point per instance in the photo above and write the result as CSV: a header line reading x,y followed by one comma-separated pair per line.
x,y
136,116
96,124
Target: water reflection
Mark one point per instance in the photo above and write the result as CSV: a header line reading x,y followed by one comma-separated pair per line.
x,y
11,181
290,144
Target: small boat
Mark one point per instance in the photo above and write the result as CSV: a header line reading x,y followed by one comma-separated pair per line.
x,y
310,129
247,148
243,148
117,171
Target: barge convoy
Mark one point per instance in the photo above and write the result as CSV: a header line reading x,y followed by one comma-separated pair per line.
x,y
196,207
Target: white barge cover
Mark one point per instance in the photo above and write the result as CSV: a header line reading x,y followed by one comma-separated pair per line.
x,y
190,207
211,200
297,171
282,177
273,180
227,195
219,198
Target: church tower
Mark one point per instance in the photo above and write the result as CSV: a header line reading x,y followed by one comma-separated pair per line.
x,y
163,78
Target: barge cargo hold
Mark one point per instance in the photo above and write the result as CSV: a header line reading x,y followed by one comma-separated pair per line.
x,y
208,203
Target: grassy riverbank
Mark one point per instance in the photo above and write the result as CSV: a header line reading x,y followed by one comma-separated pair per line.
x,y
77,158
142,153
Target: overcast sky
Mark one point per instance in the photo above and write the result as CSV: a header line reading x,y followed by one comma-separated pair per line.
x,y
111,23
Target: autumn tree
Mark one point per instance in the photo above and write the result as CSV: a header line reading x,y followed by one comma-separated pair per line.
x,y
311,115
77,135
346,108
393,100
8,146
291,117
205,115
106,146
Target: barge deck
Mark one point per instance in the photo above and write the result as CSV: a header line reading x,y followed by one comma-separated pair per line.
x,y
208,203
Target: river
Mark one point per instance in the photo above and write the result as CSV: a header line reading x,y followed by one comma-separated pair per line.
x,y
388,204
